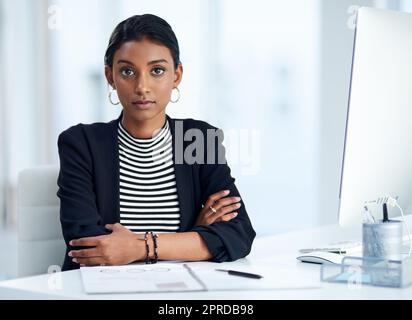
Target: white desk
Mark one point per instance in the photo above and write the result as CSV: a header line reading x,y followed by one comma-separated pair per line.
x,y
278,252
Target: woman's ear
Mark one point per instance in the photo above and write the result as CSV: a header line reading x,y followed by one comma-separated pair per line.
x,y
178,75
109,75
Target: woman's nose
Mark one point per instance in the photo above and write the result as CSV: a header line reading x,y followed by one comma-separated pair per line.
x,y
142,85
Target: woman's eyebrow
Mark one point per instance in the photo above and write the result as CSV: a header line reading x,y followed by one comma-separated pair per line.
x,y
149,63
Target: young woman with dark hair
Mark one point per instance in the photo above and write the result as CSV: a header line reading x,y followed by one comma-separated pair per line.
x,y
133,189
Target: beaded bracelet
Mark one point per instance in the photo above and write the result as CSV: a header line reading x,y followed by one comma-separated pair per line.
x,y
148,260
154,237
147,247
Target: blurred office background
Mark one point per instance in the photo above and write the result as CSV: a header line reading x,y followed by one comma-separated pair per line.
x,y
273,74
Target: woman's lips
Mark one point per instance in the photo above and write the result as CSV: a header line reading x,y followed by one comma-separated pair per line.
x,y
143,105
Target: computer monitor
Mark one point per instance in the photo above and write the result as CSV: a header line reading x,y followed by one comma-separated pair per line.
x,y
377,158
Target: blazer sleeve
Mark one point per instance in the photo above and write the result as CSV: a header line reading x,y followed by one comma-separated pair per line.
x,y
226,240
79,215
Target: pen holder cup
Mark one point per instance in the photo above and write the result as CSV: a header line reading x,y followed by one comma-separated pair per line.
x,y
382,239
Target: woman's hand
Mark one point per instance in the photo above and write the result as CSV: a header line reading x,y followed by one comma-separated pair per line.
x,y
122,246
224,206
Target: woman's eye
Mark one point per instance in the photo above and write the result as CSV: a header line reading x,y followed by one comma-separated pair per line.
x,y
127,72
157,73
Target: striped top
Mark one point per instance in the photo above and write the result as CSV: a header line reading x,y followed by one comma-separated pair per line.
x,y
148,194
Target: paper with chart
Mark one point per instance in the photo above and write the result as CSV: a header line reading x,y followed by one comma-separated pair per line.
x,y
161,277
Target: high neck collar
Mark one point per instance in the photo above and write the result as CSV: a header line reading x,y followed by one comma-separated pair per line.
x,y
158,134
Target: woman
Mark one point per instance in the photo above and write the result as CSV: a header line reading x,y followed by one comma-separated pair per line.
x,y
140,188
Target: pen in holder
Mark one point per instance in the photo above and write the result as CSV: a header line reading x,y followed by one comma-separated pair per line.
x,y
382,239
383,262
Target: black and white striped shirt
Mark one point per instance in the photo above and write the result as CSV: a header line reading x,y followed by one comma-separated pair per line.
x,y
148,194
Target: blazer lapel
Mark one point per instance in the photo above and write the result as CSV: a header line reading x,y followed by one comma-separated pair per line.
x,y
108,171
184,178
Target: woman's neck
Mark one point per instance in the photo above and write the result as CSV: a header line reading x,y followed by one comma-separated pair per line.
x,y
144,129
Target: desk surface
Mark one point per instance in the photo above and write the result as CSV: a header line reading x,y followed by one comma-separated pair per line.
x,y
278,252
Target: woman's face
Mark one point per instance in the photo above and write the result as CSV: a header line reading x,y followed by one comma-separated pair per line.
x,y
143,70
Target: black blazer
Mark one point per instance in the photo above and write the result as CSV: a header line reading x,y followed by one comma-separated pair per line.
x,y
89,189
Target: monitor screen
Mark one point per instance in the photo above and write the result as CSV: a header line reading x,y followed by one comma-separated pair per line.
x,y
377,159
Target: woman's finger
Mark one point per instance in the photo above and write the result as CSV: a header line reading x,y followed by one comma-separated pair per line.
x,y
215,197
225,202
85,253
87,241
226,209
95,261
228,216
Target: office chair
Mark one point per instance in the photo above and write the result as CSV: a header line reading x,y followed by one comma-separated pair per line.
x,y
40,241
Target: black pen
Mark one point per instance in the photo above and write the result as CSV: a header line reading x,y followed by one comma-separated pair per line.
x,y
385,213
241,274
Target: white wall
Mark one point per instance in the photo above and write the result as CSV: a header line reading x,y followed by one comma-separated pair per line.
x,y
3,132
268,84
19,95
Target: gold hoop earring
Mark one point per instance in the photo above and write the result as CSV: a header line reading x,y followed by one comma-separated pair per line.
x,y
178,97
110,97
